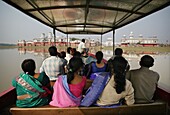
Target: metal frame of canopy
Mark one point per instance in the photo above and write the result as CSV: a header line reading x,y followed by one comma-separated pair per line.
x,y
87,16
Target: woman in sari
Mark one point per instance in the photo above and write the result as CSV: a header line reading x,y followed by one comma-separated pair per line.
x,y
118,87
68,88
33,89
98,66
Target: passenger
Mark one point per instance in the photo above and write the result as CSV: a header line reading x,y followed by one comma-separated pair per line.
x,y
53,66
73,50
77,54
68,88
33,89
117,52
118,87
144,80
98,66
68,54
85,56
62,55
81,46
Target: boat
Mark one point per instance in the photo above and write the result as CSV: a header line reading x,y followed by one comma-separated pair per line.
x,y
87,17
160,106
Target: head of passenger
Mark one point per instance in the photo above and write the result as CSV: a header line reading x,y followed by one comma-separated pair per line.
x,y
73,50
147,61
99,56
118,68
118,51
77,54
53,51
28,66
75,65
62,54
69,50
83,40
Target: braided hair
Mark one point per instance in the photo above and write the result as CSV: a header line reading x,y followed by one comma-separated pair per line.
x,y
74,65
118,68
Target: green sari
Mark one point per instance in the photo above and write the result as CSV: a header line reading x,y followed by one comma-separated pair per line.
x,y
38,89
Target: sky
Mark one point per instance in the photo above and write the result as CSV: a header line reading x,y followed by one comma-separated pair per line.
x,y
15,25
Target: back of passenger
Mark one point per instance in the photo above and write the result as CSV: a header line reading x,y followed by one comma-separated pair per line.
x,y
117,52
144,80
98,66
118,87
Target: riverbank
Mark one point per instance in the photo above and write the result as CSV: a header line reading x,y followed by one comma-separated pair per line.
x,y
143,49
127,49
8,47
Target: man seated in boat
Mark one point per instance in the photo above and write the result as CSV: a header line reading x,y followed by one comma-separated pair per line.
x,y
117,52
144,80
53,66
68,88
33,89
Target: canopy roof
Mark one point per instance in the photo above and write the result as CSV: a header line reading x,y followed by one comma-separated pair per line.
x,y
87,16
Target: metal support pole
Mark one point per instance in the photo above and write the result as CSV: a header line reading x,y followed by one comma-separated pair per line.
x,y
101,42
67,40
113,40
54,36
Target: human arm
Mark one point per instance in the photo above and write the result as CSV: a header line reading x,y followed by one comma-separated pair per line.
x,y
128,74
129,98
42,68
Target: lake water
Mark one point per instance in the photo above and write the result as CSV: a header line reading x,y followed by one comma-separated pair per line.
x,y
11,59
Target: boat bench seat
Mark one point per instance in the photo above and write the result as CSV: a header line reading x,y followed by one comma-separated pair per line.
x,y
156,108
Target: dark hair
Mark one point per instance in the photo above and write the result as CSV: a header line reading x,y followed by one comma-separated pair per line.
x,y
118,51
118,67
73,50
62,54
83,40
28,66
53,51
99,56
146,61
68,50
77,54
74,65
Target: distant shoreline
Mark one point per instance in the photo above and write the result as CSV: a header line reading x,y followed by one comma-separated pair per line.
x,y
8,46
128,49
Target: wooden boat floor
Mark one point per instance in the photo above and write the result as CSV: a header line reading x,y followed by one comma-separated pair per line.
x,y
156,108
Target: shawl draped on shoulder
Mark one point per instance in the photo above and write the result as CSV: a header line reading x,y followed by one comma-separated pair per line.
x,y
62,97
26,84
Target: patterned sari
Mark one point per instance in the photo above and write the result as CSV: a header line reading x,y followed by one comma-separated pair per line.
x,y
37,91
62,97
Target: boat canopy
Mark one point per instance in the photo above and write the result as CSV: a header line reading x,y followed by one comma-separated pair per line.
x,y
87,16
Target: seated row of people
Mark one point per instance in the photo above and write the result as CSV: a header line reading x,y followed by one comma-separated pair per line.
x,y
67,90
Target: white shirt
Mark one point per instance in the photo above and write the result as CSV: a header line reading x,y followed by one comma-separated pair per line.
x,y
81,46
68,57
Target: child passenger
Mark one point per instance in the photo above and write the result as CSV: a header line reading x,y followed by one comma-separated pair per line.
x,y
68,88
118,87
